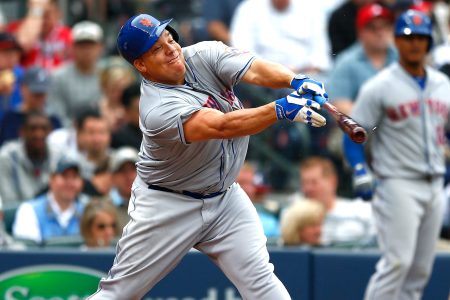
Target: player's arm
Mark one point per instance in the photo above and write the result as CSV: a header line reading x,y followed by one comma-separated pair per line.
x,y
362,177
273,75
366,110
268,74
213,124
210,123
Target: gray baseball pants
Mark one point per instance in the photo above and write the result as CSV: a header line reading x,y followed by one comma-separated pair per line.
x,y
408,215
164,226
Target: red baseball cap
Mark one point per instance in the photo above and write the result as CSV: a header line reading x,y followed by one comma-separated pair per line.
x,y
371,11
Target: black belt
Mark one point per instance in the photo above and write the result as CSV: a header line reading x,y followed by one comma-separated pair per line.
x,y
426,177
187,193
431,177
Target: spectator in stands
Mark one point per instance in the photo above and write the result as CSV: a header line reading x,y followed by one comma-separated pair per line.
x,y
441,53
89,140
123,168
76,84
347,222
45,40
25,163
34,88
10,73
129,134
301,223
341,25
247,181
372,52
100,183
218,15
56,213
114,79
283,31
99,224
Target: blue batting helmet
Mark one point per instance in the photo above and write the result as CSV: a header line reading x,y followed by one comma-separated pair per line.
x,y
413,22
139,34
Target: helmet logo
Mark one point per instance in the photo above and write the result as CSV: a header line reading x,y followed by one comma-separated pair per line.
x,y
417,20
146,22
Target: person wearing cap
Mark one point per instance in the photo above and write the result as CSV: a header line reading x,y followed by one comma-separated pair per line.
x,y
56,213
123,170
45,40
76,84
195,138
406,109
372,52
34,90
10,73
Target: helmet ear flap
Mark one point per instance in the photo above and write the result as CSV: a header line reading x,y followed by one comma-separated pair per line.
x,y
173,32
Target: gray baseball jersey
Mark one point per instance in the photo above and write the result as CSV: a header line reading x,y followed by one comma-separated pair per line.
x,y
408,123
166,158
165,225
408,157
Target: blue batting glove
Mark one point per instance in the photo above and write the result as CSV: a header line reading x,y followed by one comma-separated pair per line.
x,y
297,108
305,85
363,182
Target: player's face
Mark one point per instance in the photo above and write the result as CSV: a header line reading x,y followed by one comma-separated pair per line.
x,y
412,49
164,62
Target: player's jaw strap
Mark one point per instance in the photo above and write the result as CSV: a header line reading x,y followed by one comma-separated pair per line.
x,y
186,193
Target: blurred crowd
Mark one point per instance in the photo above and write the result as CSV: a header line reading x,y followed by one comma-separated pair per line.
x,y
69,121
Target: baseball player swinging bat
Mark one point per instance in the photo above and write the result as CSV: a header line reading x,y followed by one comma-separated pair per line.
x,y
355,131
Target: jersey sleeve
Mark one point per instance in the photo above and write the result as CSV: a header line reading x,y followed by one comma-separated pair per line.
x,y
163,124
229,63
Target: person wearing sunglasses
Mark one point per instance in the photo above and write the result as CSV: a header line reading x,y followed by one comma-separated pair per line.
x,y
98,225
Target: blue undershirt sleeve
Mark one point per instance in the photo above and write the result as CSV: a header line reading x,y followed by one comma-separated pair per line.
x,y
353,152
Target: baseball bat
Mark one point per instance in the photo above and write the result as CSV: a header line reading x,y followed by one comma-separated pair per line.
x,y
355,131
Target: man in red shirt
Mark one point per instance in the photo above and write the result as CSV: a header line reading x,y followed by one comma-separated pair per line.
x,y
45,40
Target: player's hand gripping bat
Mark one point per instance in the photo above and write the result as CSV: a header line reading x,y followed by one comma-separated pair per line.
x,y
312,89
355,131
